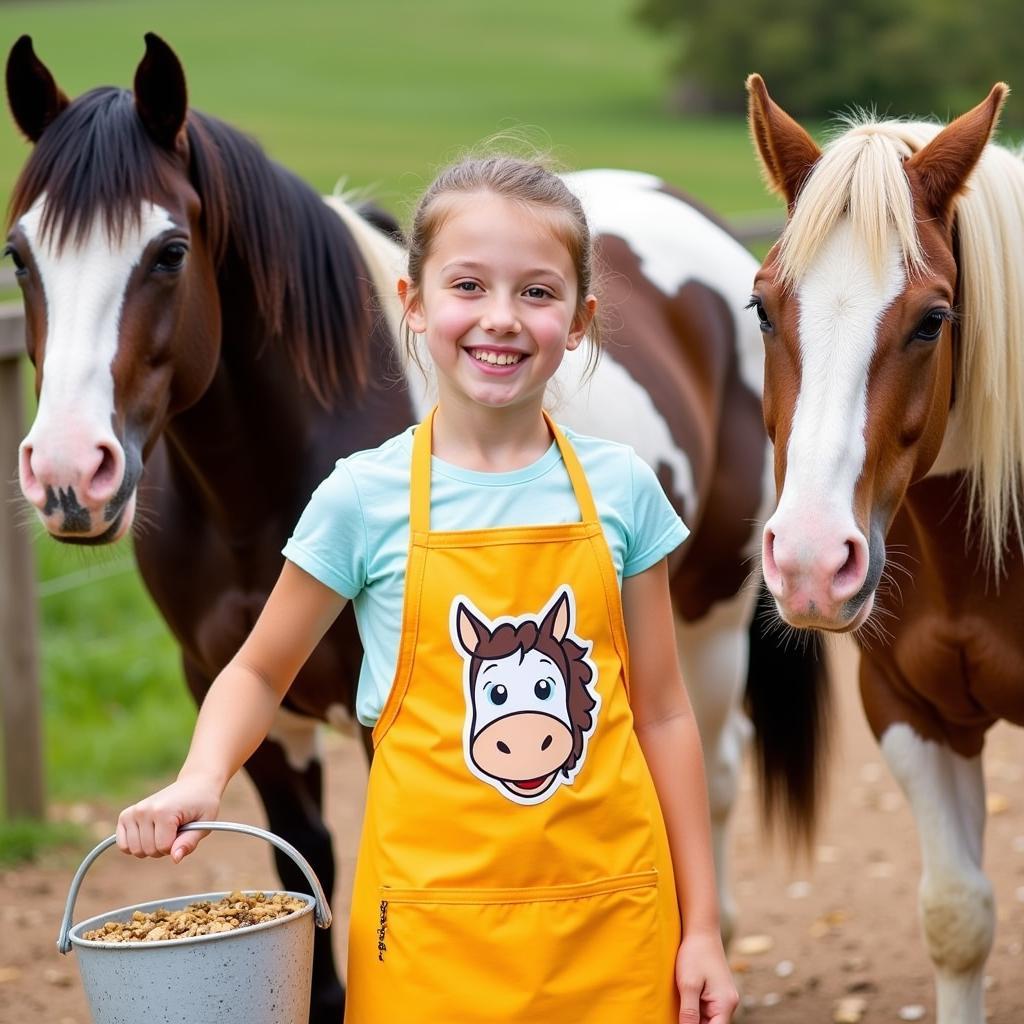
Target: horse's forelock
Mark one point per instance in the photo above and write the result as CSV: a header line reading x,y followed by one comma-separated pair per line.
x,y
94,161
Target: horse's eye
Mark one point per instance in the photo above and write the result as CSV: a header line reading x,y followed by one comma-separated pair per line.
x,y
543,689
931,326
19,266
498,695
172,257
762,317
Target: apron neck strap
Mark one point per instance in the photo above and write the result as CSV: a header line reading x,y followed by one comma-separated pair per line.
x,y
419,490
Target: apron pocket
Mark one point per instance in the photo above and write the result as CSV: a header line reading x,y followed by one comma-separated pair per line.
x,y
587,952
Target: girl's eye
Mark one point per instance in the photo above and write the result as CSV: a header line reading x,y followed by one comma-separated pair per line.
x,y
544,689
172,257
498,695
538,293
467,286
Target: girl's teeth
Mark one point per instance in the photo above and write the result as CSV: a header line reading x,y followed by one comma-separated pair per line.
x,y
497,359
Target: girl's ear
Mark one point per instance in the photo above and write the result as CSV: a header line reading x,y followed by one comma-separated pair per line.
x,y
581,323
412,308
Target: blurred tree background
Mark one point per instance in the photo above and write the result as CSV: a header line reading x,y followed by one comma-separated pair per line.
x,y
819,57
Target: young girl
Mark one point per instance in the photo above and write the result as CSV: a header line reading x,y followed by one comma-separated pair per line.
x,y
536,846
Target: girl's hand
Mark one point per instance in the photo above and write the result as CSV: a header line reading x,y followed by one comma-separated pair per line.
x,y
150,827
707,993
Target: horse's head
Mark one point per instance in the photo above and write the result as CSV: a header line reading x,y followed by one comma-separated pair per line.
x,y
122,310
856,303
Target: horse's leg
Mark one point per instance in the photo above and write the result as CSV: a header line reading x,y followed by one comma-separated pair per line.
x,y
288,775
947,796
713,656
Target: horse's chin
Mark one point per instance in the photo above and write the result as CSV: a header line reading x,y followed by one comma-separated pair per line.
x,y
834,625
108,534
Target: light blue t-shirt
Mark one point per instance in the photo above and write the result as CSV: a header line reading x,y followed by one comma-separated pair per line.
x,y
354,534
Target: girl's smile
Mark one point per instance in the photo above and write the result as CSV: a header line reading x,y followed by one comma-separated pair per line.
x,y
496,361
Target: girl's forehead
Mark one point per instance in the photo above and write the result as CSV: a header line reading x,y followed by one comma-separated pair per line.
x,y
485,223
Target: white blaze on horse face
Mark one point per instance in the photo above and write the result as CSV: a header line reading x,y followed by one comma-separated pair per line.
x,y
842,303
84,284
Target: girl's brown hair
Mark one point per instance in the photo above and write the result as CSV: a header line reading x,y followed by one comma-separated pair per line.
x,y
528,182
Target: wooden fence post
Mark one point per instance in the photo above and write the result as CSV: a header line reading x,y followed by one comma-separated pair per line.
x,y
20,698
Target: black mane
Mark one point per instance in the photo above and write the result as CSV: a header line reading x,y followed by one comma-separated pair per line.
x,y
311,287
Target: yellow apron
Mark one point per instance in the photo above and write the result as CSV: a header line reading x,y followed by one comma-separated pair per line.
x,y
514,864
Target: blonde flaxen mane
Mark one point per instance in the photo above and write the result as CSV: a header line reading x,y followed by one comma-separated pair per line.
x,y
860,176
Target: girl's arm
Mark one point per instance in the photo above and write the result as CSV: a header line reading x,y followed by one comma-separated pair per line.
x,y
668,736
235,716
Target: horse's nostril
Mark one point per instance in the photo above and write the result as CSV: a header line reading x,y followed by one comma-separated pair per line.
x,y
503,747
547,743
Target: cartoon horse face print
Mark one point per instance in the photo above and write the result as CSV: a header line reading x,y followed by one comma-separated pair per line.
x,y
530,699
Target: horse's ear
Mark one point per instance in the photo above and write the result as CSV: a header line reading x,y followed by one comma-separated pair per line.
x,y
161,98
35,99
471,631
787,152
557,618
941,168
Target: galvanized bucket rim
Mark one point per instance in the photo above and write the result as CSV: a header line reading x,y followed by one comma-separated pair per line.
x,y
142,945
323,911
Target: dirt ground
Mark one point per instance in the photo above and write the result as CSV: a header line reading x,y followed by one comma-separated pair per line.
x,y
839,931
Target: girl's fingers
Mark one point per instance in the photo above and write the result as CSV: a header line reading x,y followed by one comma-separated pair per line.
x,y
147,833
165,829
721,1010
689,1003
122,836
185,844
133,838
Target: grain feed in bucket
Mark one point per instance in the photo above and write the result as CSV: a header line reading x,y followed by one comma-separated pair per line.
x,y
258,974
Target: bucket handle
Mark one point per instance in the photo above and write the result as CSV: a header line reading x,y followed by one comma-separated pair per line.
x,y
323,911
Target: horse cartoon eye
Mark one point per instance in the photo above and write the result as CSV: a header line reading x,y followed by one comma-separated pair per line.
x,y
543,689
498,695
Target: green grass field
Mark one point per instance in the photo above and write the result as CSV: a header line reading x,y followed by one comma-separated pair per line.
x,y
379,95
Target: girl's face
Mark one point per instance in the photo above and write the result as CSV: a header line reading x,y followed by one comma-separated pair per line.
x,y
497,303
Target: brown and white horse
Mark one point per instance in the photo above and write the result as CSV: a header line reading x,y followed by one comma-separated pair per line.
x,y
892,310
209,337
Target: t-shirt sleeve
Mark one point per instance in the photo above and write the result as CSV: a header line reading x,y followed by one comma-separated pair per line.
x,y
657,528
330,540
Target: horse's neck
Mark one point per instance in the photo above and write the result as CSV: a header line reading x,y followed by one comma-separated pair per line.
x,y
249,453
955,453
237,451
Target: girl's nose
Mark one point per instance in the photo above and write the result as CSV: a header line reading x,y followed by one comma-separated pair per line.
x,y
500,318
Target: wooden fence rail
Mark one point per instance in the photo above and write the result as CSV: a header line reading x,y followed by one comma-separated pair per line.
x,y
20,699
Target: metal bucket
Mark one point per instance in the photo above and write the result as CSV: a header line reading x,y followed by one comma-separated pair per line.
x,y
255,975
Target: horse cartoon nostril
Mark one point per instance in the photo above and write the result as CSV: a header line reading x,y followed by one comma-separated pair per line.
x,y
503,747
547,743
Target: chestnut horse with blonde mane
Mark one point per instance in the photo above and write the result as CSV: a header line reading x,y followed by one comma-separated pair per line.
x,y
892,310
